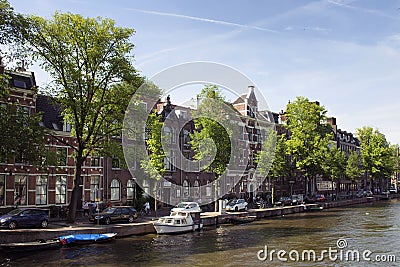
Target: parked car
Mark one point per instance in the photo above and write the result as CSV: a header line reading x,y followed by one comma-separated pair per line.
x,y
359,194
236,205
320,198
114,214
284,201
260,203
368,193
297,199
187,206
26,217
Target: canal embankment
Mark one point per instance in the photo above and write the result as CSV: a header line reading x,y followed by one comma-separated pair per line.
x,y
146,227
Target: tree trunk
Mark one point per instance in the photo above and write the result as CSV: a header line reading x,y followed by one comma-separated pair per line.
x,y
77,190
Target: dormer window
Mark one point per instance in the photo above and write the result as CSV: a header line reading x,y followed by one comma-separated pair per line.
x,y
20,84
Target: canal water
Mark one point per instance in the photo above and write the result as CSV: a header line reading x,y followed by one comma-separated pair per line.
x,y
367,235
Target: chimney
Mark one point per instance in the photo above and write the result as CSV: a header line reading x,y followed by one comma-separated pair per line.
x,y
251,89
331,121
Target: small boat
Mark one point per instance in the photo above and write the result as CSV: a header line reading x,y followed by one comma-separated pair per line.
x,y
178,222
242,219
76,239
39,244
313,207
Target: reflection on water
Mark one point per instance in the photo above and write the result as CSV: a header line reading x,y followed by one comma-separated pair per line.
x,y
374,227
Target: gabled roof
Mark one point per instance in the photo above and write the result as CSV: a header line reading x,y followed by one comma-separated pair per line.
x,y
240,99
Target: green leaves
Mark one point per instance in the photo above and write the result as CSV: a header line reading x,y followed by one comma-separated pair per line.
x,y
353,167
214,122
154,163
90,62
309,135
22,136
376,152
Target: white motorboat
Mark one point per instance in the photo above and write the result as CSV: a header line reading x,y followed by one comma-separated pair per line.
x,y
178,222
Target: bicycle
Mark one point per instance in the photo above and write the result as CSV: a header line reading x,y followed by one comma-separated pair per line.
x,y
144,212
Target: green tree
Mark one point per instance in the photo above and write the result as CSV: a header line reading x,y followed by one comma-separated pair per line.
x,y
10,39
22,137
214,123
87,59
309,136
210,127
154,164
272,160
353,167
376,154
334,165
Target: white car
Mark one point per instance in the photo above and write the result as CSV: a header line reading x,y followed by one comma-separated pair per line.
x,y
187,206
236,205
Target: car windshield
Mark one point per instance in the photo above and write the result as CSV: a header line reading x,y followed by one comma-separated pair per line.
x,y
232,202
109,210
15,212
181,205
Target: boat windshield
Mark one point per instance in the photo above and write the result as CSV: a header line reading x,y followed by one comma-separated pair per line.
x,y
15,212
181,205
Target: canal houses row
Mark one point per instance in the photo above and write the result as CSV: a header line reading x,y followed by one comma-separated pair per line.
x,y
106,180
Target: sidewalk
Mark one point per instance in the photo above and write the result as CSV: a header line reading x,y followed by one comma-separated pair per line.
x,y
84,220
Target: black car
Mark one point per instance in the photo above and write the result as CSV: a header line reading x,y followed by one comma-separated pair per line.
x,y
25,217
114,214
284,201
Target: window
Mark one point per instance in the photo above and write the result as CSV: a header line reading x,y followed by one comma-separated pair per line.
x,y
170,161
3,157
115,190
130,189
2,189
208,189
167,134
94,188
20,84
185,188
61,189
67,127
173,135
244,133
196,188
146,187
41,190
115,163
95,162
186,137
62,153
20,190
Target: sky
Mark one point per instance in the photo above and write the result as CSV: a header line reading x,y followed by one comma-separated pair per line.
x,y
343,53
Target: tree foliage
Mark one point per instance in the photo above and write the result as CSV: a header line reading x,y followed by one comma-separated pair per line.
x,y
272,160
376,153
88,59
334,165
309,135
353,166
211,139
154,164
22,137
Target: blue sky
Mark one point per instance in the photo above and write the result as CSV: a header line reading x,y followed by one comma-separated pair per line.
x,y
343,53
